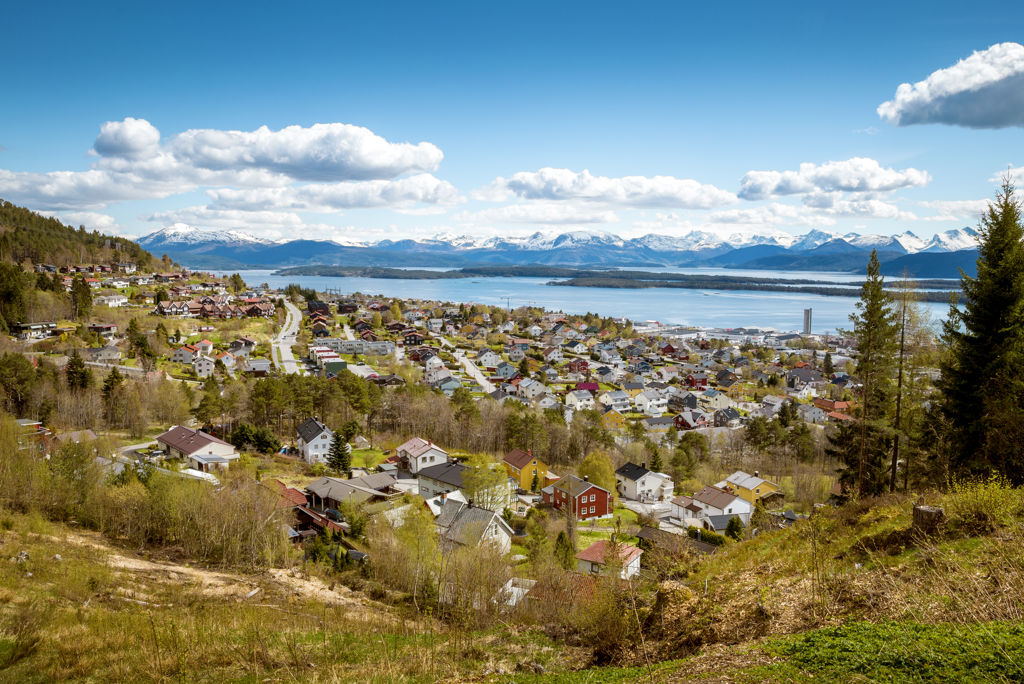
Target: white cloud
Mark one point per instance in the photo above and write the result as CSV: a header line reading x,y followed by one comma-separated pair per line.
x,y
858,174
627,191
421,188
131,138
869,208
321,152
543,213
773,214
956,209
986,90
92,220
133,163
1015,175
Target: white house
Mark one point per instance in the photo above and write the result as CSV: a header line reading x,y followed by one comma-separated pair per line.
x,y
113,301
203,451
638,483
651,402
714,501
203,366
615,399
313,440
594,559
488,358
418,453
530,389
462,524
579,400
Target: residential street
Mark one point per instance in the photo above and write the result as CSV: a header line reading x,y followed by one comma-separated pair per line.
x,y
474,372
285,339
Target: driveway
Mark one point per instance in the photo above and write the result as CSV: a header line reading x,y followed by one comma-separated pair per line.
x,y
474,372
282,344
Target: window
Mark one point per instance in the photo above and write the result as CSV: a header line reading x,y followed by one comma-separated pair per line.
x,y
593,509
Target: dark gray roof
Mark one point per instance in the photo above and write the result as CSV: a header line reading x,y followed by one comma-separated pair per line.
x,y
720,522
449,473
464,524
574,486
631,471
310,429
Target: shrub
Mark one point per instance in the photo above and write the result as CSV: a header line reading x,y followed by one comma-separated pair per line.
x,y
983,506
705,536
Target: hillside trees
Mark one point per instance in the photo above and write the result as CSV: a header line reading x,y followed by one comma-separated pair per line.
x,y
982,384
863,445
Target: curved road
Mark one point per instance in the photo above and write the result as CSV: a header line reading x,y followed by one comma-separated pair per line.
x,y
282,344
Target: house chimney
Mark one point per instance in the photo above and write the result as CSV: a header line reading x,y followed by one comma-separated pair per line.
x,y
757,473
644,465
586,478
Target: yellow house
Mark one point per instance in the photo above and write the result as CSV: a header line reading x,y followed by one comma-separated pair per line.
x,y
523,468
748,487
613,420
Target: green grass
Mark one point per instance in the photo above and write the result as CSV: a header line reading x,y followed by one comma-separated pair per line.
x,y
367,458
900,652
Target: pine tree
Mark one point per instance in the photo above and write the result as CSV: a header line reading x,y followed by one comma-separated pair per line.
x,y
78,374
339,458
876,335
564,554
734,529
828,367
982,380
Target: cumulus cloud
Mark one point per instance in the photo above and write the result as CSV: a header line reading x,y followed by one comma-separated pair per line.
x,y
421,188
92,220
627,191
321,152
131,138
543,213
858,175
134,162
986,90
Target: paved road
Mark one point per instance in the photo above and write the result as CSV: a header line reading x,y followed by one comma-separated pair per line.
x,y
474,372
285,339
348,333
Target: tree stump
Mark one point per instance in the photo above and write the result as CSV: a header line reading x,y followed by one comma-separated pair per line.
x,y
928,520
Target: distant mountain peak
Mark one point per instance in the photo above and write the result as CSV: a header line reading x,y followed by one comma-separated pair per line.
x,y
182,234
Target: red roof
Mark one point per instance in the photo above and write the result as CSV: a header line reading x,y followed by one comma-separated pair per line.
x,y
290,496
517,458
596,552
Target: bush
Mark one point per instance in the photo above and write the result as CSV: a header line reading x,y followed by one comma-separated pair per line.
x,y
983,506
705,536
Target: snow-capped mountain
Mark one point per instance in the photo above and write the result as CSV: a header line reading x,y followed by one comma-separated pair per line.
x,y
182,235
720,247
953,241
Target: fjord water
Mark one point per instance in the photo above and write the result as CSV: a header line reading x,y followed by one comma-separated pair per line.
x,y
708,308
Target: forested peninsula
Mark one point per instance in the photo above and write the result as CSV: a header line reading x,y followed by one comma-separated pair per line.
x,y
570,277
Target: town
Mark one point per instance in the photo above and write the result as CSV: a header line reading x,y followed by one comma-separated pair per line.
x,y
603,429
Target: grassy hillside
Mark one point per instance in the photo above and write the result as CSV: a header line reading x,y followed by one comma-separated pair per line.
x,y
848,594
26,235
76,608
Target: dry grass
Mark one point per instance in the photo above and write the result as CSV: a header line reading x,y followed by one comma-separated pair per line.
x,y
857,563
106,614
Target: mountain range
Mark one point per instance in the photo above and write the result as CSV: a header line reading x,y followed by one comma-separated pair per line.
x,y
941,256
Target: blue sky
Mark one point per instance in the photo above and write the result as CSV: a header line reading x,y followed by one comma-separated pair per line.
x,y
416,119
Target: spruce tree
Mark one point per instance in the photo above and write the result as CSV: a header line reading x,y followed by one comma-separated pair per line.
x,y
876,334
78,374
339,458
982,381
828,366
564,554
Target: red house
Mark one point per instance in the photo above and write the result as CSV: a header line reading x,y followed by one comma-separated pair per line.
x,y
579,498
581,366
